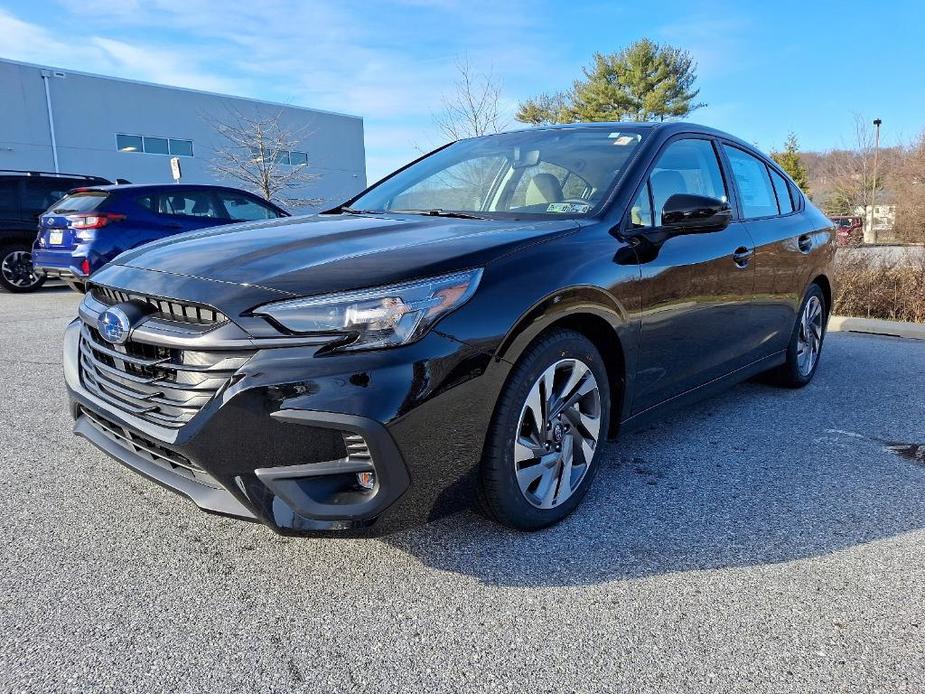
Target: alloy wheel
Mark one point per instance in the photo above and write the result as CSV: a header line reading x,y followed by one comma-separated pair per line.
x,y
16,268
557,433
809,341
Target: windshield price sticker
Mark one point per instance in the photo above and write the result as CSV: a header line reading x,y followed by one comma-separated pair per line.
x,y
568,207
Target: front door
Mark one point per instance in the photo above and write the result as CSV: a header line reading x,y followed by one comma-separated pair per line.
x,y
696,289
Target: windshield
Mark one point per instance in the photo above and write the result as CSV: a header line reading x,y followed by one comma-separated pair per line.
x,y
80,202
566,171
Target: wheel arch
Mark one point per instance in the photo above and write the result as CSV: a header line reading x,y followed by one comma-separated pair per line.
x,y
822,281
592,313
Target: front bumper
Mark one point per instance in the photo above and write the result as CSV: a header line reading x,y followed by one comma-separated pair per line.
x,y
272,445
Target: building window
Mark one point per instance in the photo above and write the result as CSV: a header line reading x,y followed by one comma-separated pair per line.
x,y
282,156
181,148
154,145
129,143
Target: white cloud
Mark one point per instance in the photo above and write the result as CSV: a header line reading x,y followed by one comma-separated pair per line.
x,y
175,66
388,62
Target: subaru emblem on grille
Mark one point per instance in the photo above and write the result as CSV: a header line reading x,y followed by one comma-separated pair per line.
x,y
114,325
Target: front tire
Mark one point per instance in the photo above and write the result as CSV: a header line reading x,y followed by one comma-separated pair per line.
x,y
542,446
17,274
805,345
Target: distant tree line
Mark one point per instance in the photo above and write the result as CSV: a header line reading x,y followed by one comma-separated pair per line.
x,y
843,180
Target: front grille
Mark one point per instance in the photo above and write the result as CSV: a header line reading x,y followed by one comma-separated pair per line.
x,y
162,385
151,451
167,309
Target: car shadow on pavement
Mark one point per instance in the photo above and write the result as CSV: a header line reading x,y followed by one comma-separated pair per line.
x,y
755,476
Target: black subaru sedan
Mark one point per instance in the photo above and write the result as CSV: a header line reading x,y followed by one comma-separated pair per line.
x,y
468,331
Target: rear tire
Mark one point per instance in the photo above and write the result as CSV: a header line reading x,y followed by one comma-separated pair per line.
x,y
805,345
16,272
541,450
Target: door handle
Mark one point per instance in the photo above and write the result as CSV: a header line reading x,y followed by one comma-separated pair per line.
x,y
742,255
805,243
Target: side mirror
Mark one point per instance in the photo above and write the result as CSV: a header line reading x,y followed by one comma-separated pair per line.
x,y
684,213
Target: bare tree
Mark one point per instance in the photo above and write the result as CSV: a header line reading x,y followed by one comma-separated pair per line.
x,y
474,108
849,172
908,183
256,153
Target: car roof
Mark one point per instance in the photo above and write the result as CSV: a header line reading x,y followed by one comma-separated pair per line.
x,y
667,128
10,173
168,187
142,187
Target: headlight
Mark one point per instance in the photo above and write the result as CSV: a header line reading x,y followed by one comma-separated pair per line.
x,y
380,317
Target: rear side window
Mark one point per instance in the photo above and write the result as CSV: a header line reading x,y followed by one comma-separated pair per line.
x,y
193,203
795,195
244,208
753,182
782,191
80,202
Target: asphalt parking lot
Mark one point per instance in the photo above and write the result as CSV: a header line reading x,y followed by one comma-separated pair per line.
x,y
765,541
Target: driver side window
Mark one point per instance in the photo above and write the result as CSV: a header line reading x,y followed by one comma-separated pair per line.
x,y
686,166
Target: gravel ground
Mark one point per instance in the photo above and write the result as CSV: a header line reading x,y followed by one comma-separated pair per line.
x,y
766,541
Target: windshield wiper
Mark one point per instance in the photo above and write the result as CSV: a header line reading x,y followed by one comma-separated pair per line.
x,y
350,210
436,212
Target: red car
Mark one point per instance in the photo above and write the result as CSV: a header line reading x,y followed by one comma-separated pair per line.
x,y
849,231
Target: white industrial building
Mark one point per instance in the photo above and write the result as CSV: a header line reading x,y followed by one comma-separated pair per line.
x,y
53,119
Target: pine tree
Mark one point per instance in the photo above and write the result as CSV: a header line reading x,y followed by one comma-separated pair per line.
x,y
646,81
789,161
543,110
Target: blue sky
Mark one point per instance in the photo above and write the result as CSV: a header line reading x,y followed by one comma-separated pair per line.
x,y
765,68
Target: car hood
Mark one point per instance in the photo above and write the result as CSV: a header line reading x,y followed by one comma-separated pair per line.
x,y
328,253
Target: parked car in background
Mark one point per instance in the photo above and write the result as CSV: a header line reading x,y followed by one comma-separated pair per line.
x,y
92,225
849,230
472,327
24,195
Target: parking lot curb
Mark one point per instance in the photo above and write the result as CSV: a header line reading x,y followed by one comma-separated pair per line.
x,y
873,326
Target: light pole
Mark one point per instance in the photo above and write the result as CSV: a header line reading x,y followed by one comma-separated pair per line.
x,y
873,188
46,76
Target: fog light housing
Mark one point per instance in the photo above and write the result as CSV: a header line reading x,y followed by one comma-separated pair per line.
x,y
366,480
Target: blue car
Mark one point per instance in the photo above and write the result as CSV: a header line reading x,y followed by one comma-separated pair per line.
x,y
90,226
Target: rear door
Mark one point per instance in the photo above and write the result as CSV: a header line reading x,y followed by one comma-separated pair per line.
x,y
696,289
782,241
